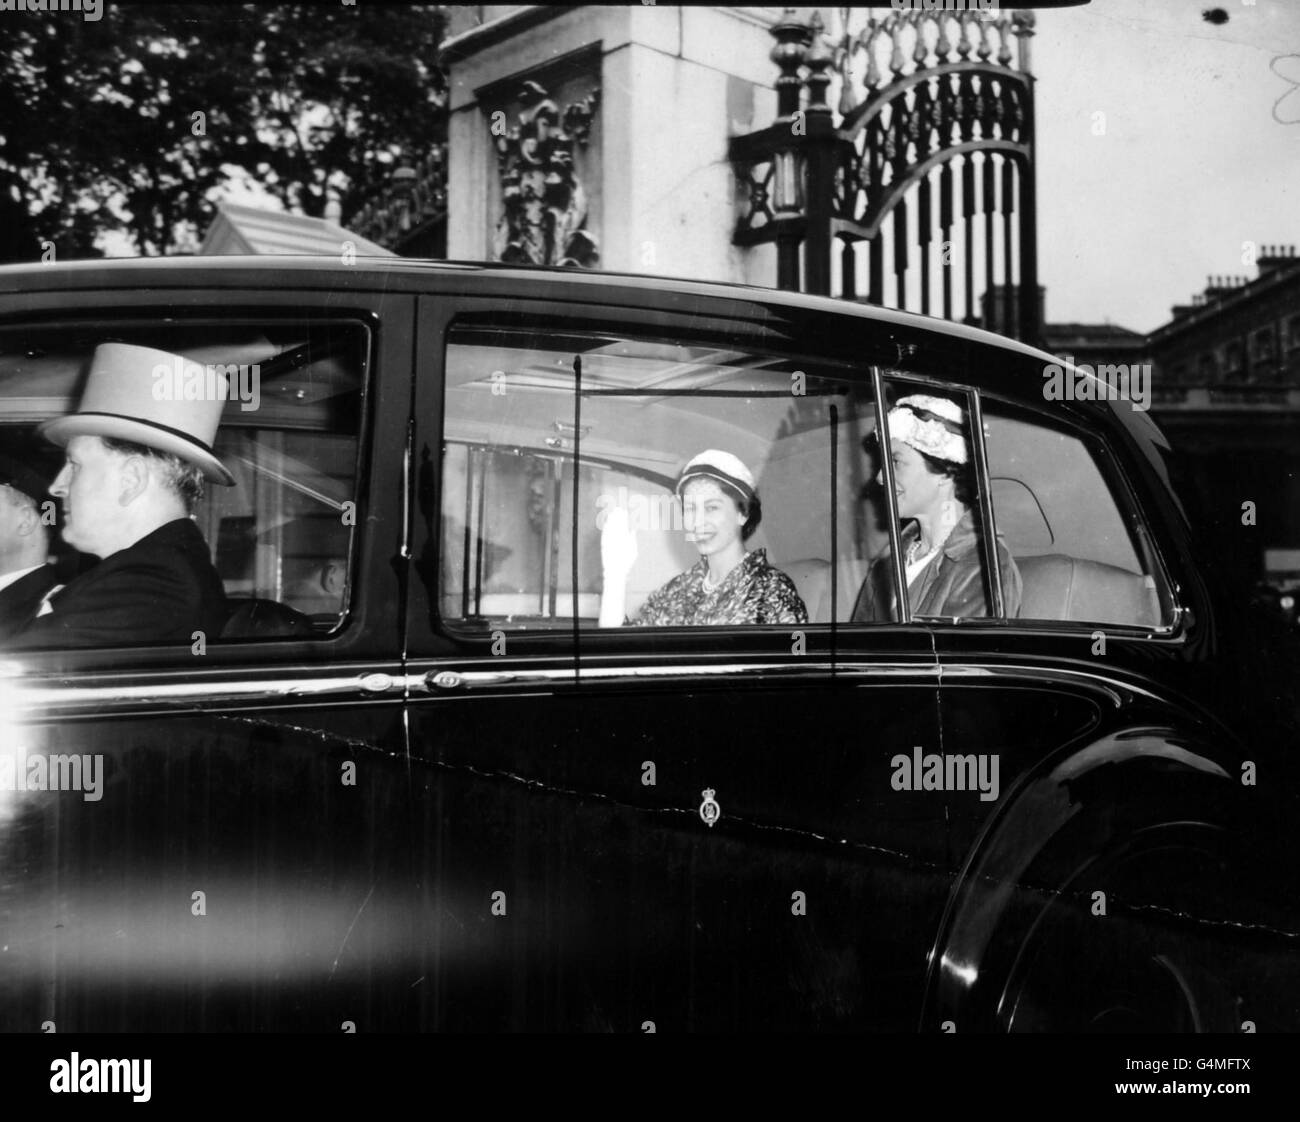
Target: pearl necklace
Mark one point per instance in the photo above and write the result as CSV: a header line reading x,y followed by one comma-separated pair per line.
x,y
948,519
714,585
912,555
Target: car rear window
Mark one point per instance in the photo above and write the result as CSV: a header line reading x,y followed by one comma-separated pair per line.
x,y
1080,544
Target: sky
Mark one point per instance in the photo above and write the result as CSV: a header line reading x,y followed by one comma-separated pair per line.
x,y
1193,160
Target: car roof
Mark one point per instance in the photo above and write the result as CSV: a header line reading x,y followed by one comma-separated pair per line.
x,y
65,274
234,270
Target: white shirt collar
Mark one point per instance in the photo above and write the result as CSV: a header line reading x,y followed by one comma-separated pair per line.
x,y
14,577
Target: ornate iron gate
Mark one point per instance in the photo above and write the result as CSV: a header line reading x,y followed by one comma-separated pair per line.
x,y
934,166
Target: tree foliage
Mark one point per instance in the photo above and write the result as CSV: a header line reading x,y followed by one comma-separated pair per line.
x,y
132,125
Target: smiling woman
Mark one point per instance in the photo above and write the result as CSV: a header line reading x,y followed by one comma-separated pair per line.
x,y
729,584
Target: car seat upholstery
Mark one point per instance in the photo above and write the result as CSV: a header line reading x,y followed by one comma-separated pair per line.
x,y
261,619
1055,587
1068,588
812,579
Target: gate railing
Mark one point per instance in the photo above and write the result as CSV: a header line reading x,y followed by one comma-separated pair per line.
x,y
927,158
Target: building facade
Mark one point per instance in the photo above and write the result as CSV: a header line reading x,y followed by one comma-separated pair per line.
x,y
1227,394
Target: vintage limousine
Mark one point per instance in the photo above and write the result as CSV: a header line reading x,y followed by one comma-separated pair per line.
x,y
413,785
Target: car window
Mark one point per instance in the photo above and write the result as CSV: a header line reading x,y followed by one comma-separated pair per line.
x,y
1080,545
513,511
289,434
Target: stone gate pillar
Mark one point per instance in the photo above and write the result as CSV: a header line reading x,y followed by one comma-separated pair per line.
x,y
598,136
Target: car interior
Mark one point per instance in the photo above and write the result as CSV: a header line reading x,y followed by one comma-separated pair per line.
x,y
513,430
281,538
1077,558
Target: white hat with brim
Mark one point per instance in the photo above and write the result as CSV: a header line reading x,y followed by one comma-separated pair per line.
x,y
122,400
727,469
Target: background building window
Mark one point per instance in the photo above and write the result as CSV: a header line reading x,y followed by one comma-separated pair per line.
x,y
1233,363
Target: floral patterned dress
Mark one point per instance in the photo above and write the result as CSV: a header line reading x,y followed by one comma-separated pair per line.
x,y
753,592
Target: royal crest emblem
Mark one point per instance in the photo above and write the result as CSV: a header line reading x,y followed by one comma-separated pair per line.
x,y
710,811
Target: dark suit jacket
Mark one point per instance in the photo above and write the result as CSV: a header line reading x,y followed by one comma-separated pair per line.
x,y
20,600
160,590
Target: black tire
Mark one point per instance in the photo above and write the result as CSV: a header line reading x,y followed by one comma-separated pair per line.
x,y
1160,958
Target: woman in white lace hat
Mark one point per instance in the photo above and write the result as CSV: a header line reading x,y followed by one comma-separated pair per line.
x,y
729,584
935,489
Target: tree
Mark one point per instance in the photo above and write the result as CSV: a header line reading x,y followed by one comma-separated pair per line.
x,y
132,125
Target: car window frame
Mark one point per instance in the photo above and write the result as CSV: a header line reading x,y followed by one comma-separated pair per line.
x,y
386,320
1132,511
990,565
715,320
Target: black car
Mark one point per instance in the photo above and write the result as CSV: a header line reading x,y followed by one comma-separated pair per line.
x,y
414,785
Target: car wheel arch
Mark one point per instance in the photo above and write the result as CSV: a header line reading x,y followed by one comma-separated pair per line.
x,y
1079,803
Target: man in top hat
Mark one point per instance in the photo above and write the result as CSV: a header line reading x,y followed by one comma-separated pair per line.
x,y
135,462
25,573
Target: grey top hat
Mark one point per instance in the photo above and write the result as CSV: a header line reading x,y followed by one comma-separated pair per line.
x,y
150,397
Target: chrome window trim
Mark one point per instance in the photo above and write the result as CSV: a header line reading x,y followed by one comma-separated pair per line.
x,y
459,681
989,527
22,699
897,563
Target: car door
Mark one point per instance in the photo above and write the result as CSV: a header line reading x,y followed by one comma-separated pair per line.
x,y
215,835
679,827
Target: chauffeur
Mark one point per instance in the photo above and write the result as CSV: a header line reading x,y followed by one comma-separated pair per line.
x,y
134,468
